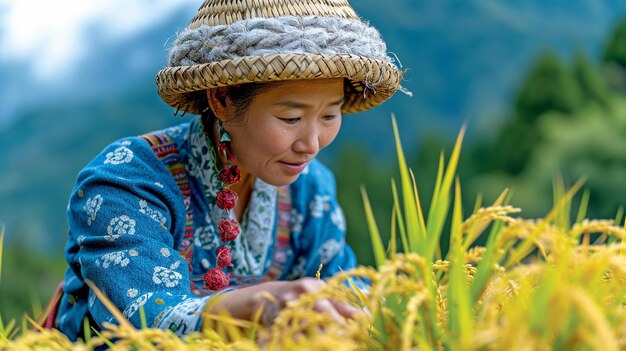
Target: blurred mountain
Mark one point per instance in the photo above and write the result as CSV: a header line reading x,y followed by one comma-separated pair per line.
x,y
464,60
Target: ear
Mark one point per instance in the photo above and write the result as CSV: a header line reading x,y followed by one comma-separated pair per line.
x,y
217,102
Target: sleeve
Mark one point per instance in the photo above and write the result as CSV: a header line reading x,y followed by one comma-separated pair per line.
x,y
323,232
126,219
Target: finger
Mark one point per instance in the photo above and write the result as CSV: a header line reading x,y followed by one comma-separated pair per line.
x,y
325,306
287,297
270,311
346,310
268,306
308,285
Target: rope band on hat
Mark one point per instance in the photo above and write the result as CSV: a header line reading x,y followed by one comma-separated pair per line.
x,y
282,35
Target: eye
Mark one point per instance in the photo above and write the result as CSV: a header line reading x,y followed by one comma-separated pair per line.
x,y
329,117
290,120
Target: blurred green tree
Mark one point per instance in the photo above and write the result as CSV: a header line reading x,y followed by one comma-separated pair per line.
x,y
614,58
593,87
589,144
549,86
565,122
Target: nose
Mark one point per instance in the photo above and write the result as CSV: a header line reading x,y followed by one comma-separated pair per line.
x,y
308,141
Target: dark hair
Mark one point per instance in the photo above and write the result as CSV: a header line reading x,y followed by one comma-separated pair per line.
x,y
240,96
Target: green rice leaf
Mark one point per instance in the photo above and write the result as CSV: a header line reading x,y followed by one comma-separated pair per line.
x,y
391,247
7,332
441,198
415,237
618,216
562,219
377,243
582,208
420,215
106,341
142,317
403,236
459,307
478,203
438,180
86,330
485,268
540,303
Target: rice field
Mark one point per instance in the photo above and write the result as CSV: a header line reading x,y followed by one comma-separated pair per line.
x,y
505,283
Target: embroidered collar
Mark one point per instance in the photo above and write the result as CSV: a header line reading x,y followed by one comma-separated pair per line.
x,y
250,249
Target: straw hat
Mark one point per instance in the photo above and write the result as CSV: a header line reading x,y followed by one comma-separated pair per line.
x,y
242,41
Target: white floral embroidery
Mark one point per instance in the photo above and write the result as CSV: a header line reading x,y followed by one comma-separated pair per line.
x,y
296,221
120,155
173,132
134,307
133,253
298,269
205,263
338,219
166,276
201,164
206,238
329,249
92,206
165,252
184,317
126,143
114,258
119,226
318,205
132,292
250,250
158,184
152,213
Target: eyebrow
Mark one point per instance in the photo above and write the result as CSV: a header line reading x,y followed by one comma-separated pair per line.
x,y
299,105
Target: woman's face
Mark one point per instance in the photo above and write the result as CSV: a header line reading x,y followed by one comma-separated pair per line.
x,y
285,126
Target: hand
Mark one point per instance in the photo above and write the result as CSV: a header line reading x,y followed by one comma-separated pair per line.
x,y
274,296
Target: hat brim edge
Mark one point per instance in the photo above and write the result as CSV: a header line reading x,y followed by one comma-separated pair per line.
x,y
373,80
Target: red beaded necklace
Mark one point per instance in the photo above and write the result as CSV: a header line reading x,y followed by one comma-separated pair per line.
x,y
216,278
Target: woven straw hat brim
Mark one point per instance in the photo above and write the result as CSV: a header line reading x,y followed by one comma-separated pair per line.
x,y
373,81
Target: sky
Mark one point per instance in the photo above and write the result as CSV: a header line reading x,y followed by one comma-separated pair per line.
x,y
57,30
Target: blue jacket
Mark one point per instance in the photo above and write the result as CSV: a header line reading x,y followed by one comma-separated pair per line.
x,y
127,219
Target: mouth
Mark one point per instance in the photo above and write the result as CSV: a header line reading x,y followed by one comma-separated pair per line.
x,y
293,168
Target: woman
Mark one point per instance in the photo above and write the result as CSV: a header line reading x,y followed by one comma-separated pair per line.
x,y
234,202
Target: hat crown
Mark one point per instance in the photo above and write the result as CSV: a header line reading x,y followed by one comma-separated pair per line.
x,y
221,12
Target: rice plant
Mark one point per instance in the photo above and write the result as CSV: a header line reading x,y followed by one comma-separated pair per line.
x,y
545,284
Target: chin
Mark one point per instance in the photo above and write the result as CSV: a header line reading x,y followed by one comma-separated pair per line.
x,y
280,181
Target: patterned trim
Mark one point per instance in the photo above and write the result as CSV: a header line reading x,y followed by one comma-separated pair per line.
x,y
283,234
165,149
252,250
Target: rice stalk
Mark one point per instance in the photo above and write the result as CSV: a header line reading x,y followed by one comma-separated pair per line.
x,y
540,284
